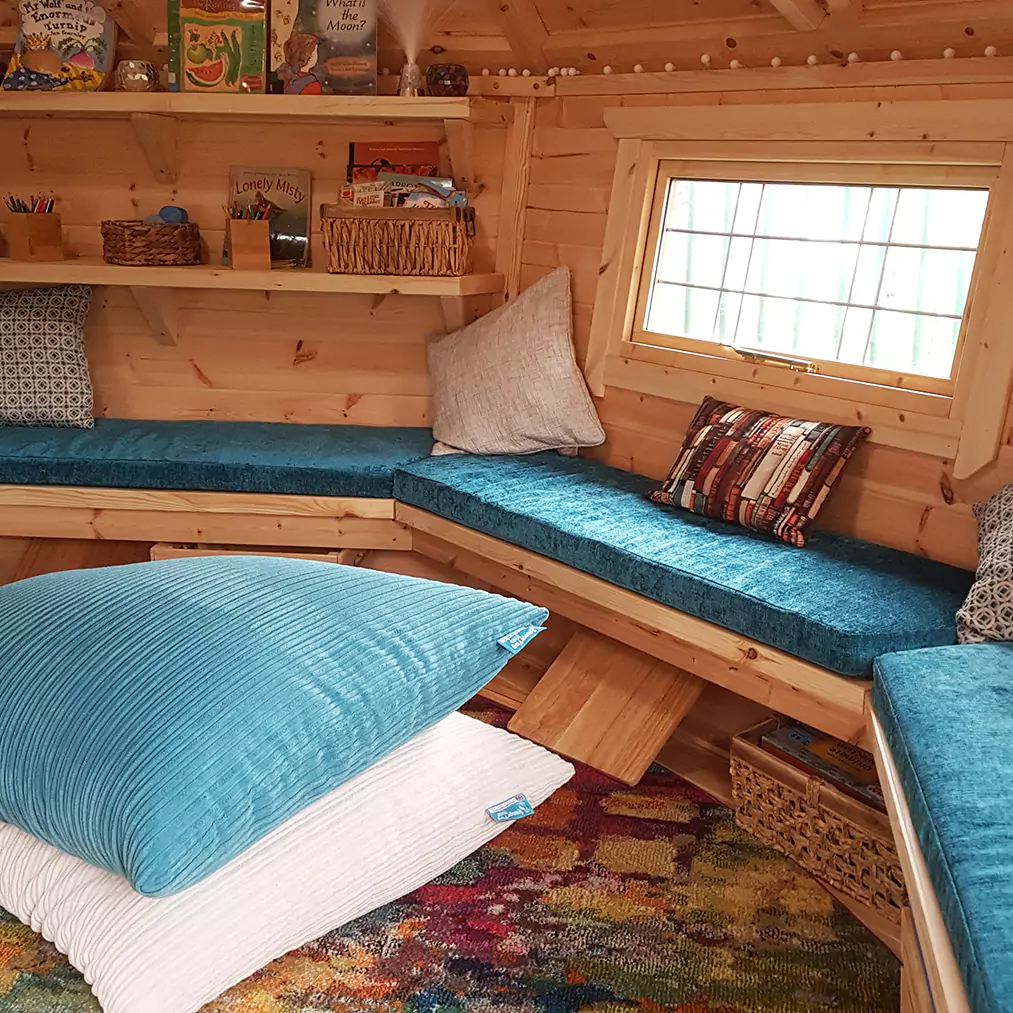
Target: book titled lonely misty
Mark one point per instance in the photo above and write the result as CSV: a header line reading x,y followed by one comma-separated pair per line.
x,y
285,193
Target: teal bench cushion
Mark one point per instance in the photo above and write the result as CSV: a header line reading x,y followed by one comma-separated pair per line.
x,y
948,718
838,602
157,719
209,456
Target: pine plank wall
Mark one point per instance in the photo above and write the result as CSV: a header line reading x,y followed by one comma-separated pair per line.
x,y
361,359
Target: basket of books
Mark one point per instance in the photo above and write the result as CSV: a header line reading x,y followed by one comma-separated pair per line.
x,y
142,244
816,799
430,242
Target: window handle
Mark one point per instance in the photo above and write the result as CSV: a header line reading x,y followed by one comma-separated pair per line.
x,y
758,355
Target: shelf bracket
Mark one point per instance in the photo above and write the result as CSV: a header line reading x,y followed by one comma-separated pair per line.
x,y
461,145
157,136
159,308
459,311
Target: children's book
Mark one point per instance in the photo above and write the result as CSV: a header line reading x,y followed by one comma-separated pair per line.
x,y
217,45
844,765
412,158
323,47
65,45
286,195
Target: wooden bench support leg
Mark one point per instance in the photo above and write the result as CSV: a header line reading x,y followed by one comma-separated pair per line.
x,y
606,705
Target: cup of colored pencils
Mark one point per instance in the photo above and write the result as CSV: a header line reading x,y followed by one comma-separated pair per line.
x,y
33,229
248,237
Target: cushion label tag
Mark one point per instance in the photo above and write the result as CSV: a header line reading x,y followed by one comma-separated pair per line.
x,y
515,808
515,641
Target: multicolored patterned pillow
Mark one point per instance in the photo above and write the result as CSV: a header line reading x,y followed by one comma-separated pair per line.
x,y
765,472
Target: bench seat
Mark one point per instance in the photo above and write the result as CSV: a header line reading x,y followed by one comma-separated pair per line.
x,y
838,603
947,718
238,457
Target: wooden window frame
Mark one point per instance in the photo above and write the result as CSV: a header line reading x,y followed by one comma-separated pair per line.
x,y
960,419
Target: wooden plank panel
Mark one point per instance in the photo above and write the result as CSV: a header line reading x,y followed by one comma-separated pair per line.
x,y
606,705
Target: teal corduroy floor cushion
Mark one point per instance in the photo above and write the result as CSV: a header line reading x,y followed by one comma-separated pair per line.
x,y
838,602
948,718
267,457
158,718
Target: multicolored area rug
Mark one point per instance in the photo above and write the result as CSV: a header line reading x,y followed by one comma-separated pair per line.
x,y
607,899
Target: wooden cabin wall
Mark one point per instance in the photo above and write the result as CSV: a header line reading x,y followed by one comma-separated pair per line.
x,y
280,356
890,496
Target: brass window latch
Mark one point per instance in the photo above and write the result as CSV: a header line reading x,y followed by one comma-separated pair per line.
x,y
791,361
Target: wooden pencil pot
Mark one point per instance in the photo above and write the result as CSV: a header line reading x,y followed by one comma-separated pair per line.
x,y
34,237
249,244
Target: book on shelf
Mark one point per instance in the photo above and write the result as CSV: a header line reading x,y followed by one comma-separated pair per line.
x,y
845,766
284,196
217,46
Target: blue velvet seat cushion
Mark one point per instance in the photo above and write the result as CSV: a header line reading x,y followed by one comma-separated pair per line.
x,y
156,719
213,456
838,602
948,718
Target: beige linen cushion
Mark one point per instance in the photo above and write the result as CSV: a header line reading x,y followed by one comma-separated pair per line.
x,y
509,382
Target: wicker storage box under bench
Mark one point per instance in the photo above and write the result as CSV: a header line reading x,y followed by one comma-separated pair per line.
x,y
431,242
842,842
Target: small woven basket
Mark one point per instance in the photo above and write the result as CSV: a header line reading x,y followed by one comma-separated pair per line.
x,y
138,244
841,841
430,242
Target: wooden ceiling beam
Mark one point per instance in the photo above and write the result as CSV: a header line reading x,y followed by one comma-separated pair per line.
x,y
802,15
844,12
525,31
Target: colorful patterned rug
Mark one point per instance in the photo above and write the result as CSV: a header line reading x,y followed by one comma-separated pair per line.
x,y
607,899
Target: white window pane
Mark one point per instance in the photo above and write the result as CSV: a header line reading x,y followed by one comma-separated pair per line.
x,y
880,215
680,310
738,263
807,211
934,281
808,270
692,259
910,343
867,275
749,207
728,317
854,336
940,217
806,329
701,205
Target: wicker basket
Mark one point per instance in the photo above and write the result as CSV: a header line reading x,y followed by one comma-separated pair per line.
x,y
138,244
432,242
841,841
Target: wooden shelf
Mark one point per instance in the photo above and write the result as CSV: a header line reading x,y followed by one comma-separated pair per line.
x,y
264,108
87,271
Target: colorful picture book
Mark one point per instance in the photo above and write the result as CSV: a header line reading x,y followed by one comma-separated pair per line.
x,y
323,47
411,158
845,766
66,45
217,45
283,195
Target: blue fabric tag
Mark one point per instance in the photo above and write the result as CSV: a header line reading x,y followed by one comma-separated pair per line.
x,y
515,808
515,641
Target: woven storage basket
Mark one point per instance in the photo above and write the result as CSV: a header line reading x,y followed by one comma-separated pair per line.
x,y
841,841
138,244
432,242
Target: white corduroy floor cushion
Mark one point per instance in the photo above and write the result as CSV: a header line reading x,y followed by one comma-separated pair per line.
x,y
389,830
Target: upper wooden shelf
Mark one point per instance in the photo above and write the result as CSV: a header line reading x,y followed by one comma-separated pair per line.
x,y
88,271
105,105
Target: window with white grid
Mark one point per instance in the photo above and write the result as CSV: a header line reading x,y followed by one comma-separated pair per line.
x,y
866,275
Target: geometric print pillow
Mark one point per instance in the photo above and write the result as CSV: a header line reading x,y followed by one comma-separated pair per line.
x,y
987,612
44,379
765,472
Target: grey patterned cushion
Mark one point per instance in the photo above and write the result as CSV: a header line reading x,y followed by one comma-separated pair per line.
x,y
987,614
44,379
509,382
